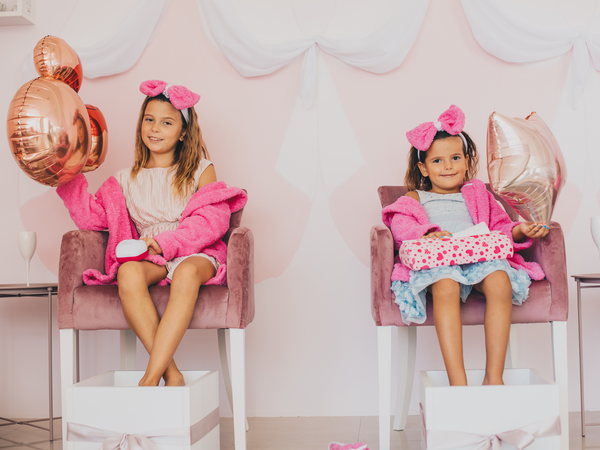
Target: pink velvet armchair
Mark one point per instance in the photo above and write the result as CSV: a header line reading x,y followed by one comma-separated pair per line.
x,y
228,309
547,303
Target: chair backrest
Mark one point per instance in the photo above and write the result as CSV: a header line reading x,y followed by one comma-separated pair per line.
x,y
389,194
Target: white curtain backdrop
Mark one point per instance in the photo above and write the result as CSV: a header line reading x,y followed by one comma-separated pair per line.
x,y
119,51
533,31
319,141
515,32
379,52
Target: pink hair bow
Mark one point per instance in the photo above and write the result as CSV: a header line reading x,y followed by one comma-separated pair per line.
x,y
451,121
179,96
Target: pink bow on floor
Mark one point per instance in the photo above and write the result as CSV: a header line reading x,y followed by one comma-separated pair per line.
x,y
179,96
338,446
451,121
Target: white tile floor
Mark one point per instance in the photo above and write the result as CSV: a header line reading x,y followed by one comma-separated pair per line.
x,y
296,433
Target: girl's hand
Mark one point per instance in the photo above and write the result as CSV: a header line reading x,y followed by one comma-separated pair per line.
x,y
437,235
530,229
153,247
89,168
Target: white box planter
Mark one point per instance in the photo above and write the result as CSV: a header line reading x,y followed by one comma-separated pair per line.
x,y
175,418
465,415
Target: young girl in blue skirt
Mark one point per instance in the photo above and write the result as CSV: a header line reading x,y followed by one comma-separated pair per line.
x,y
444,198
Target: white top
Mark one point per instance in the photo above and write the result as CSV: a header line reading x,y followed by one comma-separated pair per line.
x,y
150,200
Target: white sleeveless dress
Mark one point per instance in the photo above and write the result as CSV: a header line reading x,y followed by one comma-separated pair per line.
x,y
154,208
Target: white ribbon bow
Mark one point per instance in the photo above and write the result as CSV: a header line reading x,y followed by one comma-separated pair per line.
x,y
112,440
519,438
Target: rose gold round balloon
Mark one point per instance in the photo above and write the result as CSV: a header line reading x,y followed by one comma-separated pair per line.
x,y
48,131
54,58
525,165
99,136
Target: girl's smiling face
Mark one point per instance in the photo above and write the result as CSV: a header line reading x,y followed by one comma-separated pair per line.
x,y
161,127
446,165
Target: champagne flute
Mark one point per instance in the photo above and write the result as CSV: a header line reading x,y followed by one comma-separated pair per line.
x,y
27,243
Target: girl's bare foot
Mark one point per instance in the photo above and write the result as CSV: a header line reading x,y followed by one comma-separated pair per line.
x,y
173,377
148,381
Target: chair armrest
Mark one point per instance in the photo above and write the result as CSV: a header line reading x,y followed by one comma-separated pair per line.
x,y
80,250
240,278
549,252
382,265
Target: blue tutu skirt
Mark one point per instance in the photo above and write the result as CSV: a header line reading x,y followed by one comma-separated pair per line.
x,y
410,296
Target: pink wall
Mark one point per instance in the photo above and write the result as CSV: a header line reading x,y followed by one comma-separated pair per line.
x,y
312,347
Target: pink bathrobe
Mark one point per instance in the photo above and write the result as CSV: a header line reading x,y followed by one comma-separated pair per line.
x,y
203,223
407,219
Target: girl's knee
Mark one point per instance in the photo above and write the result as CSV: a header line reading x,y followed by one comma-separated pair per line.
x,y
129,269
194,270
185,271
130,274
499,280
497,287
446,284
445,288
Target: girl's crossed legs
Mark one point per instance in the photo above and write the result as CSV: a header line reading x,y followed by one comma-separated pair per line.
x,y
161,337
448,324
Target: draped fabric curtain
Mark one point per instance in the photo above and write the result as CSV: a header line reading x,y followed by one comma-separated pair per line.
x,y
501,29
517,33
318,146
118,52
378,52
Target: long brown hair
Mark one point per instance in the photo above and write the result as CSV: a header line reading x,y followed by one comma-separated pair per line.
x,y
414,179
188,152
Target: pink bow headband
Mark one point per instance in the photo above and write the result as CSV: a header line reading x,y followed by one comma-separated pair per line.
x,y
451,121
179,96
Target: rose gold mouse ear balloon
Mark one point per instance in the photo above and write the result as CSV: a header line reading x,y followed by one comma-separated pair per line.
x,y
54,58
99,136
525,165
48,131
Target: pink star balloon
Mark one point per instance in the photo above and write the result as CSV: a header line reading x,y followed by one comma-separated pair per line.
x,y
525,165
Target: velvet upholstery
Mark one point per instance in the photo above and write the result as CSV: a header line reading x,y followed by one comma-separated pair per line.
x,y
84,307
547,301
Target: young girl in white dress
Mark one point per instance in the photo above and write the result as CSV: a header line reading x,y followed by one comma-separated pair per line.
x,y
171,165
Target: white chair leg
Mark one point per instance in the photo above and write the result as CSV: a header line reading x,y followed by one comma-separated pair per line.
x,y
512,352
68,373
77,359
225,355
128,343
559,350
238,386
407,353
384,358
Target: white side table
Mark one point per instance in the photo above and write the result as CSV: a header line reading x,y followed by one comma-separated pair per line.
x,y
36,290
